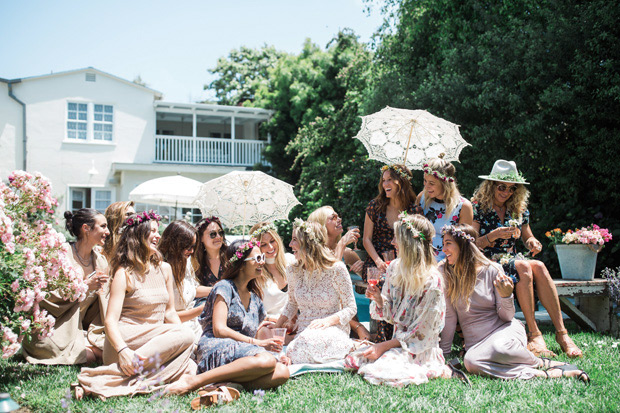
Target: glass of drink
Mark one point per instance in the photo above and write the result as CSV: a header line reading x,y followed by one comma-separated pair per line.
x,y
388,256
352,227
372,276
279,334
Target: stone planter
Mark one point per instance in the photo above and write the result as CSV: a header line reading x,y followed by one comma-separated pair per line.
x,y
577,261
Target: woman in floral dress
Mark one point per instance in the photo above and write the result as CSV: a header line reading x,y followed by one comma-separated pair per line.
x,y
395,196
210,254
320,288
411,299
441,200
501,217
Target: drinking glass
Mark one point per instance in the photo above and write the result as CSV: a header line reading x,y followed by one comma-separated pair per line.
x,y
279,334
388,256
372,276
352,227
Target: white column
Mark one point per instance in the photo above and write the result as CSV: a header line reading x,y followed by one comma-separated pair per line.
x,y
194,127
232,137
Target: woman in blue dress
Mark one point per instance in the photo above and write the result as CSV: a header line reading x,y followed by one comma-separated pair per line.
x,y
233,313
441,200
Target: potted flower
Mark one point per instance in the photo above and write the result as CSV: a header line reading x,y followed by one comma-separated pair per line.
x,y
577,250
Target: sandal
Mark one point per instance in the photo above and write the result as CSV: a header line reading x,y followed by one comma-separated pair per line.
x,y
567,345
546,363
582,376
456,373
538,349
214,395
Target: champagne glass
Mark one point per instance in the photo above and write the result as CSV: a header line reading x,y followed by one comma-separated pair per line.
x,y
372,276
279,334
352,227
388,256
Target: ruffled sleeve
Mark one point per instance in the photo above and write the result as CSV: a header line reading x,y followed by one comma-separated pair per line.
x,y
371,210
342,284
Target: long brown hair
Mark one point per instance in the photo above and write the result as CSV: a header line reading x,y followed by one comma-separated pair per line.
x,y
133,251
233,269
177,237
115,215
405,193
200,255
460,278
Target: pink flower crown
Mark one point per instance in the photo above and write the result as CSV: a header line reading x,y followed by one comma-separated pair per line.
x,y
400,171
142,217
429,171
206,221
456,233
242,249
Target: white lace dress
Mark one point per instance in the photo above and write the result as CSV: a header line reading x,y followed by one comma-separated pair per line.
x,y
320,294
418,320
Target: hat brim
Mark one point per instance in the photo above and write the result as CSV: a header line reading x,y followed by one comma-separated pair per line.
x,y
489,178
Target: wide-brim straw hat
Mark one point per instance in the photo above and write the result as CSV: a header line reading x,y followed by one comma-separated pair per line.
x,y
505,171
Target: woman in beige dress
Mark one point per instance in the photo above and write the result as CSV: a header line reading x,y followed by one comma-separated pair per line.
x,y
78,332
146,344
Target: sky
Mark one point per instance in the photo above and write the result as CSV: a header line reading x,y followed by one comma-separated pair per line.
x,y
170,45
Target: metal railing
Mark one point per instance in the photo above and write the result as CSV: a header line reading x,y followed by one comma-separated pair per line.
x,y
208,151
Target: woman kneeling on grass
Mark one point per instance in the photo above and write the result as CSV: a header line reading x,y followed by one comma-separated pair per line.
x,y
228,349
146,344
412,300
479,296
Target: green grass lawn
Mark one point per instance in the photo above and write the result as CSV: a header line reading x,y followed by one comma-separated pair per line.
x,y
42,389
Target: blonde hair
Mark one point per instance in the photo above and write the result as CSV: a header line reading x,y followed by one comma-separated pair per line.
x,y
280,258
460,278
451,194
321,215
313,253
516,204
115,214
416,253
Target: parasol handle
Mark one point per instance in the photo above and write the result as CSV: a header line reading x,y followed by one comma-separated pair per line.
x,y
408,142
245,203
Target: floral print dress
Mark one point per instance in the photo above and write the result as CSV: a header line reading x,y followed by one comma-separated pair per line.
x,y
502,251
436,213
418,321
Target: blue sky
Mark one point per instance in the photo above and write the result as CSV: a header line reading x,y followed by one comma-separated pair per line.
x,y
169,44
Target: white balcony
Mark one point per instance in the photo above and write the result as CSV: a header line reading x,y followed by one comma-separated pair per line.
x,y
208,151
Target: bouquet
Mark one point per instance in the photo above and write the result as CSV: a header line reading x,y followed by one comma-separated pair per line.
x,y
592,234
33,260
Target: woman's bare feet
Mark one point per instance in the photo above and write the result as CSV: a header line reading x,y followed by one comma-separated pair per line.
x,y
567,344
182,386
536,344
78,391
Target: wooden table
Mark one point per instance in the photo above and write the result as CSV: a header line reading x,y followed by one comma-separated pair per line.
x,y
592,309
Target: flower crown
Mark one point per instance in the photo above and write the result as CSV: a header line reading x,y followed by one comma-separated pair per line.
x,y
206,221
400,171
456,233
301,224
260,231
416,233
142,217
430,171
242,249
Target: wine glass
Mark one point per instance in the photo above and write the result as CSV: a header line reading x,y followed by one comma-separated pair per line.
x,y
279,334
352,227
388,256
372,276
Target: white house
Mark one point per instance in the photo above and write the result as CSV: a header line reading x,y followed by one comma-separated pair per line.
x,y
97,136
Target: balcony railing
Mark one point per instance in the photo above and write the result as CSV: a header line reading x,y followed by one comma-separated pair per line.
x,y
208,151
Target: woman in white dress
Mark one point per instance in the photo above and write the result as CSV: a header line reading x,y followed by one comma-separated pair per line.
x,y
411,299
320,288
177,245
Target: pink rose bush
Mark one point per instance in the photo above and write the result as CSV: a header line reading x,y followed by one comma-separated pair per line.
x,y
592,234
33,260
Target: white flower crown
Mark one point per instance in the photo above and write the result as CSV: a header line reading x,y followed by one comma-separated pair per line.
x,y
260,231
301,224
456,233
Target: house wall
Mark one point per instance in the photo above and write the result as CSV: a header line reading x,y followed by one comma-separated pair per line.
x,y
10,133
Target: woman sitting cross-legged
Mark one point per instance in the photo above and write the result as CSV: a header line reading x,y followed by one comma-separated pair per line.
x,y
176,246
146,344
479,296
228,349
320,288
501,217
413,301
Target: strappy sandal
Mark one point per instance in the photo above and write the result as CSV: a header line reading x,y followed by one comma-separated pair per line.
x,y
582,376
538,349
546,363
459,374
567,345
214,395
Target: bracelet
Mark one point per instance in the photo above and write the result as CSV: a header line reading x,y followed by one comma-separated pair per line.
x,y
119,352
251,340
488,240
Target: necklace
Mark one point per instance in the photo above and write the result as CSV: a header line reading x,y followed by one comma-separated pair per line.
x,y
80,259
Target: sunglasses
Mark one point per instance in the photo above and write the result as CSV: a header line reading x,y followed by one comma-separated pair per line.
x,y
503,188
214,234
260,258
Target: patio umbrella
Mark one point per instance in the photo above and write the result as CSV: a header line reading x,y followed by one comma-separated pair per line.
x,y
409,137
176,191
246,198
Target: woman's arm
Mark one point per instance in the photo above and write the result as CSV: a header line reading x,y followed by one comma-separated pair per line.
x,y
529,240
349,237
467,214
504,299
353,261
369,227
170,315
202,291
186,315
447,334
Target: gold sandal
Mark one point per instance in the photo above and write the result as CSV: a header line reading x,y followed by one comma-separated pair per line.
x,y
538,349
567,345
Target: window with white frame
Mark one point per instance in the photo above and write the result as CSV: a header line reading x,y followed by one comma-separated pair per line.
x,y
77,120
84,197
103,122
103,198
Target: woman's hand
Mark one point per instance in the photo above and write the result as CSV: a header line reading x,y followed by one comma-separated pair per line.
x,y
97,281
321,323
357,267
504,285
374,352
285,360
351,236
504,233
373,292
381,265
533,245
269,344
266,323
128,361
